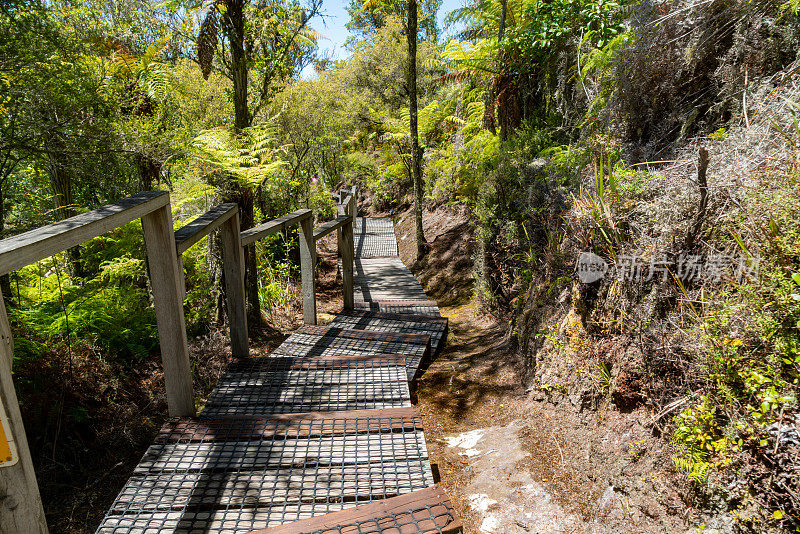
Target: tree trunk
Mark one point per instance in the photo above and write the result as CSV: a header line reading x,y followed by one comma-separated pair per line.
x,y
416,151
489,121
234,18
503,12
61,184
149,171
247,214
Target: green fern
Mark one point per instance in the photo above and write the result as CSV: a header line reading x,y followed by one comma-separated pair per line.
x,y
148,72
792,6
250,156
695,468
597,68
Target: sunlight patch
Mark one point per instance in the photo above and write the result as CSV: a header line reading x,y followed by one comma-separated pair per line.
x,y
490,524
467,440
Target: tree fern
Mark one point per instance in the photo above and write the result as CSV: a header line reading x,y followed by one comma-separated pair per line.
x,y
150,75
250,156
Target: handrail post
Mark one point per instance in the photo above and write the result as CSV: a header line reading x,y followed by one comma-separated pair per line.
x,y
347,252
233,267
353,207
307,264
166,279
20,503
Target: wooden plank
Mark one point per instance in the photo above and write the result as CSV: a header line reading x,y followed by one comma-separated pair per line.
x,y
233,268
418,303
317,347
263,395
193,232
308,260
275,225
410,317
338,361
250,403
254,455
324,229
280,486
397,337
166,280
227,521
279,378
306,425
20,503
405,510
30,247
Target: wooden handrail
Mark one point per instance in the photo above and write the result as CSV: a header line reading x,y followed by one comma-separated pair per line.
x,y
273,226
324,229
342,208
18,481
224,217
200,227
29,247
164,249
345,226
303,218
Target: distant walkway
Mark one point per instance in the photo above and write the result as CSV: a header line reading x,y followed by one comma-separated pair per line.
x,y
320,436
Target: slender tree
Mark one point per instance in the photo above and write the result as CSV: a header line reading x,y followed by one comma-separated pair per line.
x,y
377,10
416,152
263,52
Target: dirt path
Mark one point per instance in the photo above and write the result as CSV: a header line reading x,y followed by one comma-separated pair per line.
x,y
513,462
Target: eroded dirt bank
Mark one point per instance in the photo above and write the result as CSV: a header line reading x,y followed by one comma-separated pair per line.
x,y
516,458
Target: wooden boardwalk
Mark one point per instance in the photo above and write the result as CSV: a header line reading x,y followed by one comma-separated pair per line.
x,y
319,436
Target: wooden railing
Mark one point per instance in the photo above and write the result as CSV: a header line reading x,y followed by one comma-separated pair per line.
x,y
21,508
226,218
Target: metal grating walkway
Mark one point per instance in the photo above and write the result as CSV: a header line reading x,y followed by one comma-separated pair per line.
x,y
321,431
374,238
435,327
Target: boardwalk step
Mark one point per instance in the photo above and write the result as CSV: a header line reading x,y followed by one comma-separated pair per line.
x,y
415,318
299,452
415,307
327,383
375,245
231,475
329,341
334,331
435,327
419,512
283,426
385,279
374,238
374,225
285,485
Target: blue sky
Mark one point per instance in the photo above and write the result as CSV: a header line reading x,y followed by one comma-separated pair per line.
x,y
335,33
